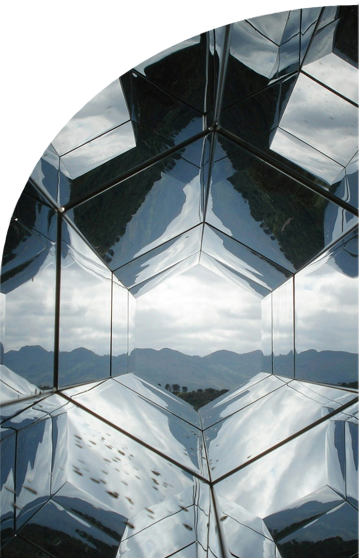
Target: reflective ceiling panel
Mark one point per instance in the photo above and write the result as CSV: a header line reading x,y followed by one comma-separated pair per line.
x,y
157,260
254,118
128,225
248,435
157,40
105,111
130,137
7,484
28,317
177,269
278,479
77,534
100,150
176,439
243,281
333,128
241,259
117,470
255,389
272,214
162,398
336,532
283,330
308,22
326,325
85,315
261,50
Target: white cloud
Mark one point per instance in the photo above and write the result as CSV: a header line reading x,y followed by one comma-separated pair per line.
x,y
199,312
326,311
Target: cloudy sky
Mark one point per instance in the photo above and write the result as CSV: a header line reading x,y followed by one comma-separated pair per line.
x,y
197,313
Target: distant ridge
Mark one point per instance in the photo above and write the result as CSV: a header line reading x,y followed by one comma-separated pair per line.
x,y
220,370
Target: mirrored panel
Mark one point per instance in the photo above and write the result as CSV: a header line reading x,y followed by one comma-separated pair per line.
x,y
154,262
29,271
309,159
326,325
175,439
173,271
269,212
13,386
259,386
169,534
131,333
308,22
179,519
328,113
233,276
334,533
100,150
261,50
105,160
157,41
59,531
33,469
161,397
303,512
83,109
109,481
279,478
19,547
7,484
93,511
351,461
331,56
85,312
244,542
267,335
247,262
283,330
120,328
151,107
116,470
248,435
127,214
255,117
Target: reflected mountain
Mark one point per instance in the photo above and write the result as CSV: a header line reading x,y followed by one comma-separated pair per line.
x,y
218,370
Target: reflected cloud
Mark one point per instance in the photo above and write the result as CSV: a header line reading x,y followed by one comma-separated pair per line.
x,y
198,312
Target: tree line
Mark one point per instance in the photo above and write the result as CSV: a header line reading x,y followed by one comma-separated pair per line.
x,y
196,398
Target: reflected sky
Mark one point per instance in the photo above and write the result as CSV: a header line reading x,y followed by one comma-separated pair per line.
x,y
333,128
326,294
199,313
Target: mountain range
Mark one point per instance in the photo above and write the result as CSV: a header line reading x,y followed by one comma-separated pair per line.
x,y
219,370
222,369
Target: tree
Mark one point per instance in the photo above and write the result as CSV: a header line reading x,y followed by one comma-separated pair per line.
x,y
168,387
184,389
176,388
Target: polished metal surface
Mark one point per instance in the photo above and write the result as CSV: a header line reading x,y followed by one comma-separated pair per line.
x,y
175,438
233,155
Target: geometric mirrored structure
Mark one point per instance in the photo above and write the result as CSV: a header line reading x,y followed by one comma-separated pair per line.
x,y
232,156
